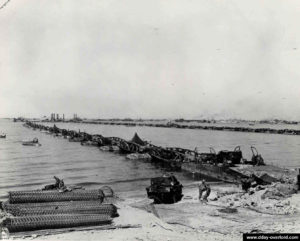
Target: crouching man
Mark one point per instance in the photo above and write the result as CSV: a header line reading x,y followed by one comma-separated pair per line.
x,y
204,189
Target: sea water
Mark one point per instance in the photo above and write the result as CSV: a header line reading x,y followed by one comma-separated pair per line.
x,y
30,167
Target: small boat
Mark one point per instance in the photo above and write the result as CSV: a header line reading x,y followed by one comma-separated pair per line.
x,y
30,143
2,135
34,142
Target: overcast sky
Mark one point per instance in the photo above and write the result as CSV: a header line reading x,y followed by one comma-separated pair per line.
x,y
150,59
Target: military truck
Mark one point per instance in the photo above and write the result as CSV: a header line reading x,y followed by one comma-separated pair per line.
x,y
165,189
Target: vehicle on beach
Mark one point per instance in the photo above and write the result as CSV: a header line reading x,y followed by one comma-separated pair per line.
x,y
34,142
165,189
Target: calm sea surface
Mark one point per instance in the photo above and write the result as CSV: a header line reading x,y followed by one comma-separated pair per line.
x,y
25,167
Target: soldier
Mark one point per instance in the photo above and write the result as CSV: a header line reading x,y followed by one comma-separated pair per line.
x,y
204,187
59,183
246,184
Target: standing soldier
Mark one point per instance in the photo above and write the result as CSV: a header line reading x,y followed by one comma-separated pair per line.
x,y
204,187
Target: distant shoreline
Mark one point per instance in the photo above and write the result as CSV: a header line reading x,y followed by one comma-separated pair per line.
x,y
184,125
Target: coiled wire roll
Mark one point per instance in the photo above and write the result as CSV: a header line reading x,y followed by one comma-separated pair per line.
x,y
30,223
54,196
77,207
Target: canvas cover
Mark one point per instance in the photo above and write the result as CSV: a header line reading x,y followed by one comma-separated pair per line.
x,y
136,139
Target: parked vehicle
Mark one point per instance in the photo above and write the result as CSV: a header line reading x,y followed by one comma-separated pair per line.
x,y
165,189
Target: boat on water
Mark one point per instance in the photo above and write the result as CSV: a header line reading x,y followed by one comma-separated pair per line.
x,y
30,143
2,135
34,142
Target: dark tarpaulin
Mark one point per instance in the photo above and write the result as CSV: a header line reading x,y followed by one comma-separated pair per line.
x,y
136,139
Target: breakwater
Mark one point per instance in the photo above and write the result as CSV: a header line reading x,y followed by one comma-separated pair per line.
x,y
199,127
215,165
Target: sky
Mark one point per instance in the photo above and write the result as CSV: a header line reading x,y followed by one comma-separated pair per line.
x,y
150,59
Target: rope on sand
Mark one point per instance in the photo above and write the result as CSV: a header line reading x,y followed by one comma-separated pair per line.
x,y
177,223
164,227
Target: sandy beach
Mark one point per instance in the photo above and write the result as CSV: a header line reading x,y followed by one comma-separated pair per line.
x,y
228,214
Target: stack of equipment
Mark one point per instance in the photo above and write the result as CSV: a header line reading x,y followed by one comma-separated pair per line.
x,y
52,209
